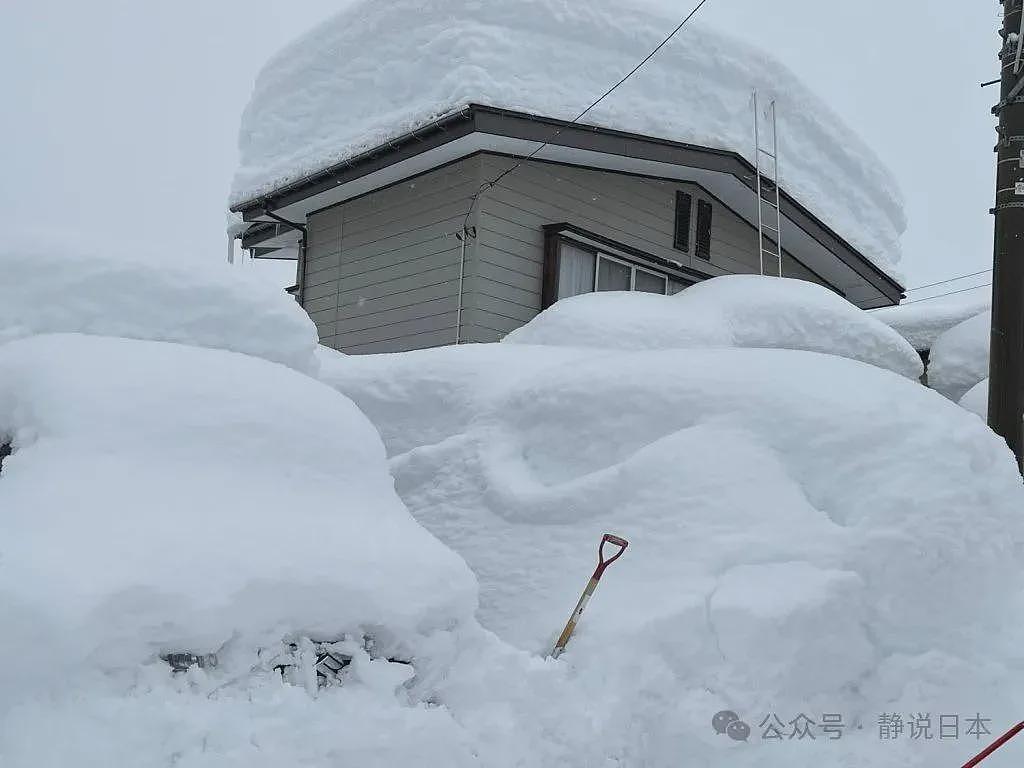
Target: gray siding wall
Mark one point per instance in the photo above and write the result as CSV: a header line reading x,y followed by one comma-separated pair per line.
x,y
382,271
503,284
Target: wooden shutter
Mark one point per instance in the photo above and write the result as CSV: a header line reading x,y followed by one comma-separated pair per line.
x,y
684,203
704,229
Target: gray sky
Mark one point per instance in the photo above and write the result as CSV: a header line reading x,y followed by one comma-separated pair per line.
x,y
121,116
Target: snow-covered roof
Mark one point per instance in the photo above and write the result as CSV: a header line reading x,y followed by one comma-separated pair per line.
x,y
922,323
376,71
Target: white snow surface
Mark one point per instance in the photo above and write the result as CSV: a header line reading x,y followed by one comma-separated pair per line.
x,y
377,70
959,357
799,527
50,291
921,323
975,399
809,534
163,497
732,311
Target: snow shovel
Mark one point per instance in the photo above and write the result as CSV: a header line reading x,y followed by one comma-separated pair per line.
x,y
602,563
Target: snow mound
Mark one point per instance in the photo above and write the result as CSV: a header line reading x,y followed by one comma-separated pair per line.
x,y
975,399
784,509
377,70
730,311
921,324
217,307
167,498
959,357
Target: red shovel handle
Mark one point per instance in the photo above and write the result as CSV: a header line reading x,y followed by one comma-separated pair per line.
x,y
602,561
994,745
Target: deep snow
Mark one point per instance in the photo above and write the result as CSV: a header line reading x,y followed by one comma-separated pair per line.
x,y
975,399
731,311
798,528
164,498
377,70
50,291
922,323
959,357
809,534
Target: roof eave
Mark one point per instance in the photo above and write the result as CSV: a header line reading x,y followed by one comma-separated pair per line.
x,y
480,117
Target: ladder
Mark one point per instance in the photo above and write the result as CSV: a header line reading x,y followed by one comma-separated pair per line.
x,y
769,211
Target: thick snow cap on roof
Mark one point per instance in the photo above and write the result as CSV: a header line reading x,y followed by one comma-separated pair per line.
x,y
747,311
378,70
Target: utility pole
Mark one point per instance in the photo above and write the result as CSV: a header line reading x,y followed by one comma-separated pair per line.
x,y
1006,356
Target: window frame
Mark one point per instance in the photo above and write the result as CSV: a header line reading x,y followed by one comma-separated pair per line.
x,y
598,255
660,275
601,247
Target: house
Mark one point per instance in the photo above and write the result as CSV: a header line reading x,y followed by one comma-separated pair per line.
x,y
457,217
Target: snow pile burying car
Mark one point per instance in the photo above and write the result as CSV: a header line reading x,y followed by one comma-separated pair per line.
x,y
809,534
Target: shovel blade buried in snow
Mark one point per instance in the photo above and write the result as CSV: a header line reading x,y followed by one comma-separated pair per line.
x,y
603,561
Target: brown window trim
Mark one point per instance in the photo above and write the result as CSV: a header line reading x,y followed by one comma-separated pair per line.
x,y
554,234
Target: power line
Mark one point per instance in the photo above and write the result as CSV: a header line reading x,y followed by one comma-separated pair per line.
x,y
494,182
948,293
950,280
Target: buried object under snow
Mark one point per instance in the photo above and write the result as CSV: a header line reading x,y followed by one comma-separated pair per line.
x,y
166,497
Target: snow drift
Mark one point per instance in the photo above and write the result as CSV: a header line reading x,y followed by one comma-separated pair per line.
x,y
58,292
959,357
163,498
921,324
809,534
378,70
975,399
732,311
783,507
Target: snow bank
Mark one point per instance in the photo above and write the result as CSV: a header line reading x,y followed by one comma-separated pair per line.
x,y
730,311
922,323
959,357
378,70
164,498
798,528
975,399
213,306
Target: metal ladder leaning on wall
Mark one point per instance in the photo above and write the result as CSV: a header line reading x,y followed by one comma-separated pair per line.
x,y
766,232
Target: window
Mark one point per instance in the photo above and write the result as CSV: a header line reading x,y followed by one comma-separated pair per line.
x,y
703,250
613,275
580,269
649,282
575,271
684,204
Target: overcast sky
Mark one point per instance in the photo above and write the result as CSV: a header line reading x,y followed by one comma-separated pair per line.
x,y
120,117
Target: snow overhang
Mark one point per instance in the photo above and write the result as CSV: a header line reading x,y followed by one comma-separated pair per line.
x,y
478,128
